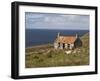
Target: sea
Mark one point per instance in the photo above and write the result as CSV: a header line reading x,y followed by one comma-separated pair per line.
x,y
35,37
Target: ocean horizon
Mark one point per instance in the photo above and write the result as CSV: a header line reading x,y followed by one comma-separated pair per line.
x,y
35,37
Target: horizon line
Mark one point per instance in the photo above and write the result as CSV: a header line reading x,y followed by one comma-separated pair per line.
x,y
54,29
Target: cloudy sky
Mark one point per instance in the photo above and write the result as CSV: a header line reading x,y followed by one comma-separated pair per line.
x,y
56,21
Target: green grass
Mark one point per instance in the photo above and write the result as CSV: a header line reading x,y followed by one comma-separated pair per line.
x,y
47,56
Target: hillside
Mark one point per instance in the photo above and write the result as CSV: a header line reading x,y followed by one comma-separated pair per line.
x,y
47,56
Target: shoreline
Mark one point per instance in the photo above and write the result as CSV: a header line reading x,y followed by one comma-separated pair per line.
x,y
39,46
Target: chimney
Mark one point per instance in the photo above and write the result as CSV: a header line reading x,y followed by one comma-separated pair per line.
x,y
58,35
76,35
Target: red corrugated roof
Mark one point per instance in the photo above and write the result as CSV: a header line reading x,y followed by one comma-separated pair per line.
x,y
66,39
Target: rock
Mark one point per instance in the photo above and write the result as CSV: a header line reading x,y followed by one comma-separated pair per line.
x,y
74,51
68,52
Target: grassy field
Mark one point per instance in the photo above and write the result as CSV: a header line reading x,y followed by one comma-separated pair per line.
x,y
47,56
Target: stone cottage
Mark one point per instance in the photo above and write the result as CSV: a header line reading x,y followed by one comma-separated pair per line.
x,y
67,42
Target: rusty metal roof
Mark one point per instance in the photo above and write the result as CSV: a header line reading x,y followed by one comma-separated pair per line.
x,y
66,39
